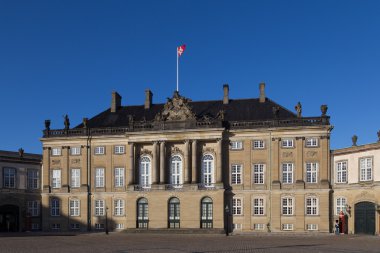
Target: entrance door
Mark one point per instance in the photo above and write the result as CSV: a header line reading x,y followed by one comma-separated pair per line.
x,y
365,218
142,213
174,213
9,218
206,213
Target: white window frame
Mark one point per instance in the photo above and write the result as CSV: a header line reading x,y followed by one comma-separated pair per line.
x,y
118,207
365,169
259,173
55,207
340,205
341,172
33,179
237,206
312,142
236,145
287,173
74,226
236,173
99,207
56,151
9,180
288,207
119,177
176,170
75,178
145,171
56,226
119,149
119,226
33,208
99,226
208,170
287,227
99,177
100,150
312,170
312,227
74,207
287,143
56,178
258,226
258,144
259,206
311,205
75,150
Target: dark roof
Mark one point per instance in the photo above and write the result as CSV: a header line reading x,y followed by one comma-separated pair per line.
x,y
235,110
11,156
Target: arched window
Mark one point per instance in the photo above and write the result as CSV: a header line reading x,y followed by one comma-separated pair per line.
x,y
206,212
142,213
145,172
54,209
174,213
208,170
176,171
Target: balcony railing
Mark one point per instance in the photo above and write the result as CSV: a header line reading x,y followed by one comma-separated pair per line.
x,y
176,187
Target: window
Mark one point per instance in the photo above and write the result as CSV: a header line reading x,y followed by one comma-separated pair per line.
x,y
236,170
119,150
119,226
238,226
208,170
312,206
142,213
311,172
56,226
258,173
119,177
75,151
74,207
287,173
99,177
258,206
365,169
56,151
56,179
33,178
145,172
99,226
35,226
33,208
206,213
258,226
258,144
287,143
341,172
99,207
54,208
74,226
340,205
312,227
174,215
176,171
287,206
99,150
311,142
287,227
237,206
9,178
236,145
75,178
118,207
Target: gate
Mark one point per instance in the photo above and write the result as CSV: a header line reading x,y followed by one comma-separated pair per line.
x,y
365,218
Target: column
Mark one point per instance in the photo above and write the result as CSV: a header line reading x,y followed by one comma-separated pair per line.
x,y
132,163
219,161
155,171
162,162
275,163
194,162
187,170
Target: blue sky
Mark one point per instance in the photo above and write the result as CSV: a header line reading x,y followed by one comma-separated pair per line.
x,y
59,57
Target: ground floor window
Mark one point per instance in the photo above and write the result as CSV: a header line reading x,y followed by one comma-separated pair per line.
x,y
174,213
142,213
206,213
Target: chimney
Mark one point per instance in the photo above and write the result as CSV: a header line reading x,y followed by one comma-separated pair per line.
x,y
262,92
148,99
116,101
226,94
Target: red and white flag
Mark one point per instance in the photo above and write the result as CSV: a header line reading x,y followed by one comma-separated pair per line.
x,y
181,49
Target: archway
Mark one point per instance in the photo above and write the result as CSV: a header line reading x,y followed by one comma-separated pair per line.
x,y
365,218
9,218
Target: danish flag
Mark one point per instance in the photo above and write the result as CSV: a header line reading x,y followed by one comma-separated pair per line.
x,y
181,49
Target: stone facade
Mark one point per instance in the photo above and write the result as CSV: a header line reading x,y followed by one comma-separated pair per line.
x,y
247,165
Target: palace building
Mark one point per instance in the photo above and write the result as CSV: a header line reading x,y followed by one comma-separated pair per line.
x,y
235,164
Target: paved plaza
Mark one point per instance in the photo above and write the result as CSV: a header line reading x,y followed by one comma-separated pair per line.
x,y
125,243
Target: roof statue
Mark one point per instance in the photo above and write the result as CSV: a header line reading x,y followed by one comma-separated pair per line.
x,y
176,109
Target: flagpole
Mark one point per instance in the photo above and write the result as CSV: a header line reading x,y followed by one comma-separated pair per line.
x,y
177,67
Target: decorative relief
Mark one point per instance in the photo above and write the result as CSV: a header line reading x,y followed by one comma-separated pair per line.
x,y
176,150
176,109
311,153
146,152
287,154
75,161
55,162
365,196
208,150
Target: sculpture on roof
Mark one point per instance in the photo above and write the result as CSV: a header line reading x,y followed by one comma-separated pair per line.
x,y
66,122
354,140
176,109
298,108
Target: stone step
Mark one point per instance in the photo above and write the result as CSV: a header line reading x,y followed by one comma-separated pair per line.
x,y
174,231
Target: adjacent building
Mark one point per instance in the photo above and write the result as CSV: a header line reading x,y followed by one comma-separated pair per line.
x,y
356,183
243,164
20,191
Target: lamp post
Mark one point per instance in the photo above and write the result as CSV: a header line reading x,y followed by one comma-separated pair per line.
x,y
106,220
227,211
